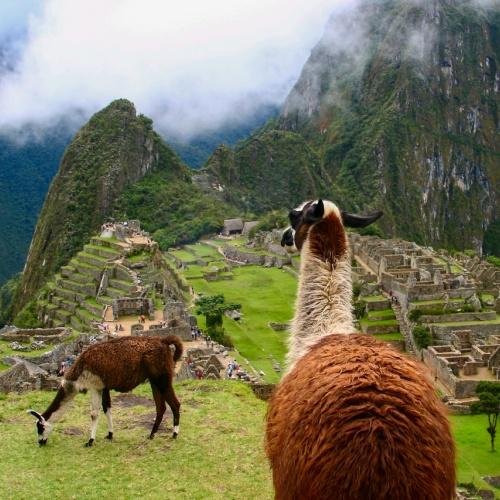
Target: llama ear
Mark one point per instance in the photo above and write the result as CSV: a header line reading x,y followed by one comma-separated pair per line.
x,y
36,415
352,220
315,212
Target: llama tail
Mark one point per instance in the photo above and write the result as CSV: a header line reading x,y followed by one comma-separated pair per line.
x,y
177,343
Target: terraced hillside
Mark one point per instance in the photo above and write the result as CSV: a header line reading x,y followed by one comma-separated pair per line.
x,y
79,294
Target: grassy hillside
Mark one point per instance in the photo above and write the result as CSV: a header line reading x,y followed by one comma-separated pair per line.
x,y
219,452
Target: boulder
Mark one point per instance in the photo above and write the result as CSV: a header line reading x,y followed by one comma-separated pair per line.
x,y
22,376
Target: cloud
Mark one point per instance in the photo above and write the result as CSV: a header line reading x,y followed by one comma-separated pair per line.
x,y
191,65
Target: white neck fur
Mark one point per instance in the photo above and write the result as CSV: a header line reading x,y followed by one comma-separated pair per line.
x,y
324,303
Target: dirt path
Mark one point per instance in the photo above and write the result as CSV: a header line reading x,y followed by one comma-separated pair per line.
x,y
127,321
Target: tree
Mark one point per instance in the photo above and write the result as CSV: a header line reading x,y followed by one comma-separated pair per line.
x,y
422,336
489,403
213,307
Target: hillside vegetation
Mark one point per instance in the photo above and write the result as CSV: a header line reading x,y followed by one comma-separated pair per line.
x,y
115,166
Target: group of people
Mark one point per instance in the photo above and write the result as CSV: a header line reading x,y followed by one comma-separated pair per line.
x,y
65,365
232,367
141,319
119,328
195,333
393,297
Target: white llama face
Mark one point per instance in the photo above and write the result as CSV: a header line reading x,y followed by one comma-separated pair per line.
x,y
43,428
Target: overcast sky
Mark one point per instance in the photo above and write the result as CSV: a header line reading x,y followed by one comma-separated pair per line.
x,y
189,64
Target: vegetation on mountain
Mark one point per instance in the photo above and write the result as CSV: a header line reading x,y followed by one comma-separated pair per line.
x,y
396,109
7,292
27,165
115,165
273,169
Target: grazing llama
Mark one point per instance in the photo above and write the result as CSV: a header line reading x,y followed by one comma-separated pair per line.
x,y
121,365
352,418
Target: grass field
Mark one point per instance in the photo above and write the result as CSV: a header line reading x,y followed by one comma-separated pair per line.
x,y
219,452
266,295
474,458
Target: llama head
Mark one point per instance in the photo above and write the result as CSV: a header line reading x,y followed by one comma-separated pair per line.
x,y
323,224
43,428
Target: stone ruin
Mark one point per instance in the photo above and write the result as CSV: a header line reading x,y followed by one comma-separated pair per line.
x,y
38,336
135,306
461,365
466,341
205,360
410,271
121,230
38,372
176,321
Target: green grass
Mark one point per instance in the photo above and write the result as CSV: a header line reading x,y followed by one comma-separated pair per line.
x,y
388,336
193,271
219,452
488,296
373,298
140,257
266,295
204,251
495,321
99,248
382,313
384,322
433,302
183,255
474,458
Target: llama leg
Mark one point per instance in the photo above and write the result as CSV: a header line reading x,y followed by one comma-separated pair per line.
x,y
160,409
106,408
95,403
175,406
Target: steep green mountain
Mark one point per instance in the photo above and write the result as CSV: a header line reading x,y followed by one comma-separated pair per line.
x,y
272,170
115,165
26,169
398,105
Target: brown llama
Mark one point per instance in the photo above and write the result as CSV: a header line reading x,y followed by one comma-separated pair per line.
x,y
121,365
352,419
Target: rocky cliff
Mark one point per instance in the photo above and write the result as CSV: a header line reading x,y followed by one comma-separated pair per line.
x,y
396,108
400,99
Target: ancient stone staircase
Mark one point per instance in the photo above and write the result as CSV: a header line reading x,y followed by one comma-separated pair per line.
x,y
404,327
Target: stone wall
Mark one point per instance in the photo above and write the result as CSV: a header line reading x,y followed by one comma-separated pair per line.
x,y
133,306
26,335
263,391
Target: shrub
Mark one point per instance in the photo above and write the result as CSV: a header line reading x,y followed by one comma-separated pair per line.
x,y
28,317
415,314
422,336
359,309
356,290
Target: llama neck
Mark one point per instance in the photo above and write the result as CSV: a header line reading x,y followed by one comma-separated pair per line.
x,y
324,302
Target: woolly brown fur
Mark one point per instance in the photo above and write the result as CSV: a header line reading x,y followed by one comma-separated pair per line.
x,y
126,362
356,420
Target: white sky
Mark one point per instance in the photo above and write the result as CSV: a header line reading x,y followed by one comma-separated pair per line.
x,y
190,65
